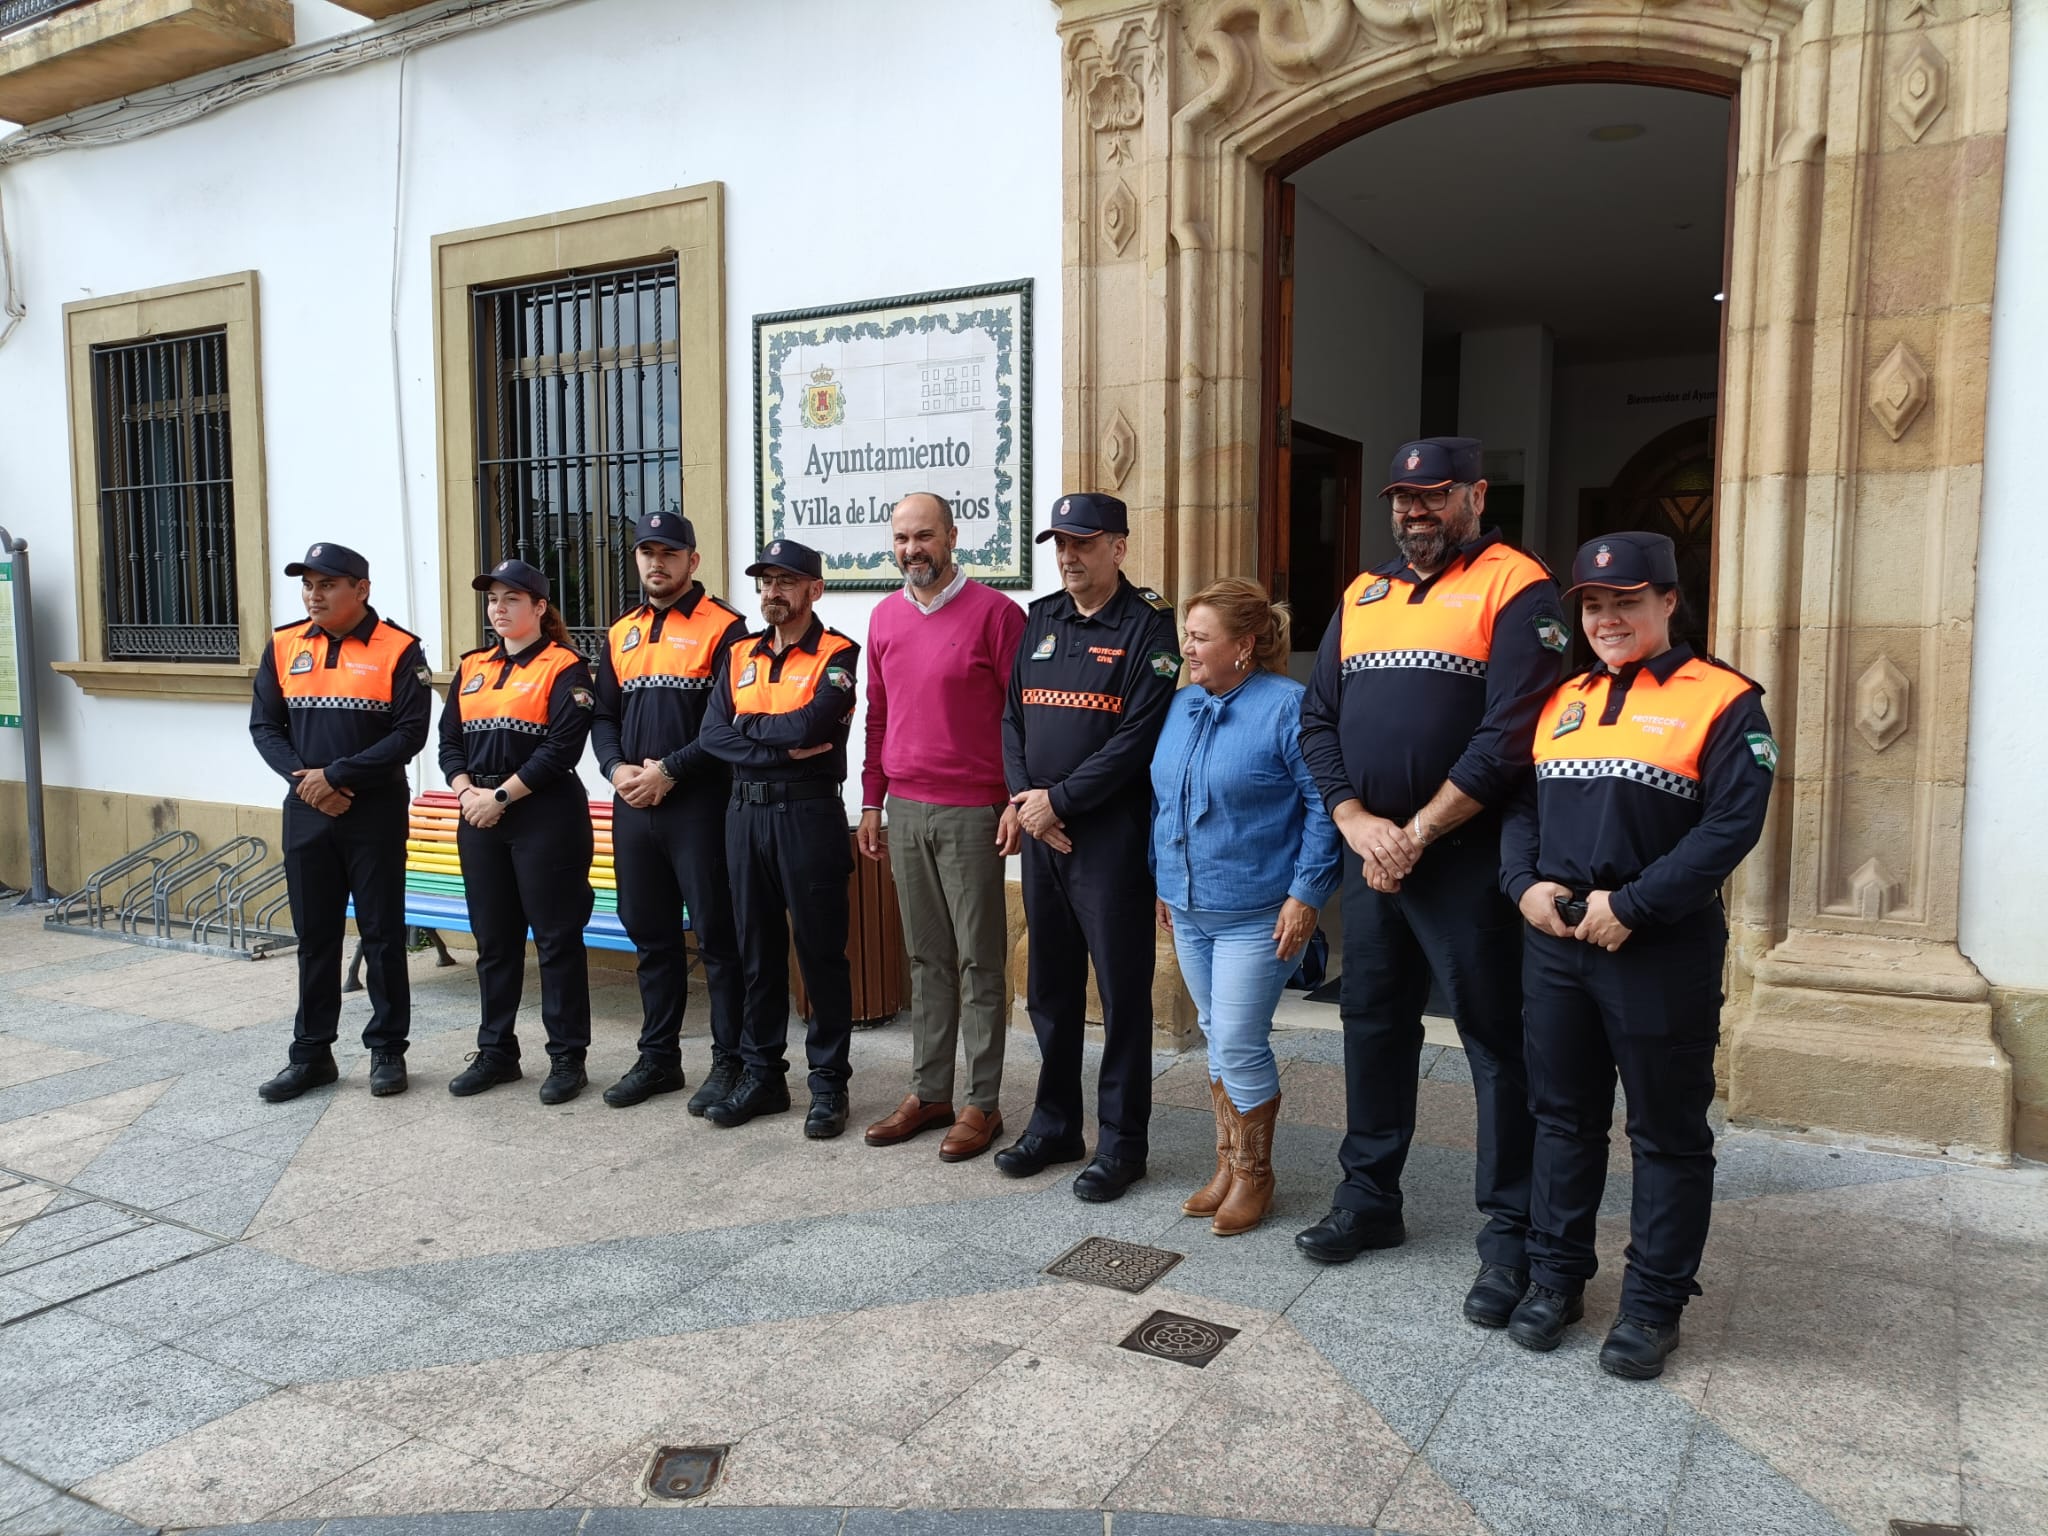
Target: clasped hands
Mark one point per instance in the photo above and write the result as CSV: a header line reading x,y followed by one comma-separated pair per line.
x,y
313,788
1601,926
1033,813
1387,850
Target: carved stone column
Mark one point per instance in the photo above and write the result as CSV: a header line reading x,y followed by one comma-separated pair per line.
x,y
1863,1015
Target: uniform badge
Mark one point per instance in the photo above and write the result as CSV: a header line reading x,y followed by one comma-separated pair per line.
x,y
425,674
474,683
1155,600
1045,648
747,677
1415,461
1375,592
632,640
1165,664
1573,717
582,699
1603,557
1763,749
1552,635
838,677
303,662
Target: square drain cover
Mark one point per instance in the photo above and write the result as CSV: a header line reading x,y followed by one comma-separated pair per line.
x,y
1170,1336
1120,1266
685,1471
1922,1528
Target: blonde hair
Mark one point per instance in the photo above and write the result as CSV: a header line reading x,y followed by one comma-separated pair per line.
x,y
1244,609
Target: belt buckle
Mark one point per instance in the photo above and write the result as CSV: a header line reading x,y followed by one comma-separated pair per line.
x,y
753,792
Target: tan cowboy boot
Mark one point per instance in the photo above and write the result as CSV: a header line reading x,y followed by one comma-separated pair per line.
x,y
1204,1201
1251,1170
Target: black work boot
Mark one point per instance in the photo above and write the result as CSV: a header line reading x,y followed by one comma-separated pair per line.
x,y
647,1077
827,1118
387,1073
1344,1234
566,1078
1636,1347
297,1077
481,1073
725,1076
1495,1295
1541,1317
752,1095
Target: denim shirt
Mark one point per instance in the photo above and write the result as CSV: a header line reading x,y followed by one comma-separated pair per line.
x,y
1237,822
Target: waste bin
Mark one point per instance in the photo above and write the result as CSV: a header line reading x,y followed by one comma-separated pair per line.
x,y
874,944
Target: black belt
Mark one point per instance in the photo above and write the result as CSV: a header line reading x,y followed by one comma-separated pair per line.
x,y
765,792
488,780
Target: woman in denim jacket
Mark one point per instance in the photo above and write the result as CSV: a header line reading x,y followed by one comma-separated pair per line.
x,y
1244,855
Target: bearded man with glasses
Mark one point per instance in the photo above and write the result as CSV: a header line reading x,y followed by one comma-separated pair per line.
x,y
1416,725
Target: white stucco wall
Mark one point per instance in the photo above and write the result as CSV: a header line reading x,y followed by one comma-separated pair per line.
x,y
913,151
2005,830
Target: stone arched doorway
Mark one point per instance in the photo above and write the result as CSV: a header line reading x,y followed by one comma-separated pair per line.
x,y
1871,149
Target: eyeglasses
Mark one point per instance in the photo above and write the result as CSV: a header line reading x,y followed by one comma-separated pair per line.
x,y
1429,501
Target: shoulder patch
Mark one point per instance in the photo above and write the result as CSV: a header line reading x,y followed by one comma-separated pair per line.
x,y
1552,634
1763,749
425,674
838,677
1155,599
1164,664
582,698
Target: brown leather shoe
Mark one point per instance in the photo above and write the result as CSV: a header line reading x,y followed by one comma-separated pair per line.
x,y
972,1134
1204,1201
909,1118
1251,1170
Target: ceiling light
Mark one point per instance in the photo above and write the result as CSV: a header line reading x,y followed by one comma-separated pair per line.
x,y
1720,298
1616,133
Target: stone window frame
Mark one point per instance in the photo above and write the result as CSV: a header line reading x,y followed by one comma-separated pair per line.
x,y
229,303
687,223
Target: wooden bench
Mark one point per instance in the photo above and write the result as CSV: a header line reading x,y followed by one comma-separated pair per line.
x,y
434,898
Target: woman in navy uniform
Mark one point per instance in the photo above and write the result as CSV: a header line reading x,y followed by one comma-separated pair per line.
x,y
517,716
1653,770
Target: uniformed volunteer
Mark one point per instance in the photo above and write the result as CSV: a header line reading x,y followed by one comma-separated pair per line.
x,y
780,710
342,704
1088,695
1416,723
1653,769
668,816
517,715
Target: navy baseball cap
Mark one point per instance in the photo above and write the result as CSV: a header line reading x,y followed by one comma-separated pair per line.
x,y
788,555
331,560
1625,562
514,573
1431,463
1084,514
670,528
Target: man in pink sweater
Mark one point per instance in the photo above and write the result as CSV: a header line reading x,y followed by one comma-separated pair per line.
x,y
940,654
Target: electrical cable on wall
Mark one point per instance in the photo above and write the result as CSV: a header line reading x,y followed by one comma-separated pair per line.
x,y
416,770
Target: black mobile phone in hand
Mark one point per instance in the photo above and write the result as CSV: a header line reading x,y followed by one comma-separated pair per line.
x,y
1571,908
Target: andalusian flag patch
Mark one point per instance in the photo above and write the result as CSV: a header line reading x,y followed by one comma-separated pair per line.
x,y
838,677
1764,750
1165,664
1552,635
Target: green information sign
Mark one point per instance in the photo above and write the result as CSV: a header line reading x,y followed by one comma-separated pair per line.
x,y
10,673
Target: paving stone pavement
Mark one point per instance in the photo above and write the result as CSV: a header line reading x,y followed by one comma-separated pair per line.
x,y
353,1316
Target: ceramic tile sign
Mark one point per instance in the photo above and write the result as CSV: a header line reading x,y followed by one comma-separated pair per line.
x,y
858,405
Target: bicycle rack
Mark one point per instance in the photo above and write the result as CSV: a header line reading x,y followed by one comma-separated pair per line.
x,y
229,904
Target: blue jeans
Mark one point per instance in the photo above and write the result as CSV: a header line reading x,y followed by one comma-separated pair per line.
x,y
1227,960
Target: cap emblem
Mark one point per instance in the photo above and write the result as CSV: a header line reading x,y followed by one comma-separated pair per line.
x,y
775,548
1415,461
1603,557
654,521
315,555
1065,508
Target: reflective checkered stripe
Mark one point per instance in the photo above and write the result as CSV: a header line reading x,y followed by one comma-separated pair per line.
x,y
334,701
1426,661
663,680
1062,698
506,723
1620,768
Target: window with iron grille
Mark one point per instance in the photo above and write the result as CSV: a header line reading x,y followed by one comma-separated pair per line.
x,y
579,430
166,498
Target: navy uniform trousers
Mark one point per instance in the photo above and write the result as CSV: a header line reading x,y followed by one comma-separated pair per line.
x,y
328,859
1449,918
1650,1012
1092,904
667,858
793,857
532,870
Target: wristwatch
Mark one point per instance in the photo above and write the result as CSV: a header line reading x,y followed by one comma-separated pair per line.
x,y
500,796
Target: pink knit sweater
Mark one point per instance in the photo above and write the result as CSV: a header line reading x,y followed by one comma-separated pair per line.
x,y
946,674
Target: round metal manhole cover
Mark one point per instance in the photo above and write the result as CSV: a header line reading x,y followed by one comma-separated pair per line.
x,y
1172,1336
